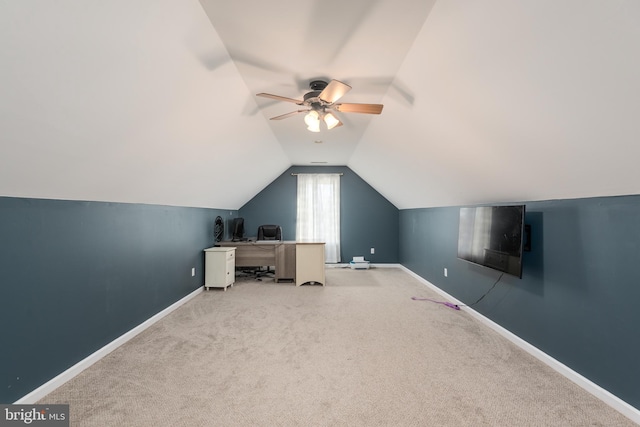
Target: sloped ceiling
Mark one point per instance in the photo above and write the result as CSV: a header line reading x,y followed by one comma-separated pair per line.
x,y
514,101
153,101
280,49
109,101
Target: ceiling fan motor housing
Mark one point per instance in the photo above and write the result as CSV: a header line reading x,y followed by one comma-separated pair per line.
x,y
318,85
311,99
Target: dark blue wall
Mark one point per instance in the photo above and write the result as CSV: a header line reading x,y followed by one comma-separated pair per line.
x,y
578,298
367,219
76,275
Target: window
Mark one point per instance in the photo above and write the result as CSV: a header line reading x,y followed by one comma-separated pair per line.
x,y
318,213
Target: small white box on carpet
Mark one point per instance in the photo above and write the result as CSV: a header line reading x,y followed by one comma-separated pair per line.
x,y
358,263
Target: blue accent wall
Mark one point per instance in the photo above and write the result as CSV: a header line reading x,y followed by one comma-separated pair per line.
x,y
578,298
367,219
76,275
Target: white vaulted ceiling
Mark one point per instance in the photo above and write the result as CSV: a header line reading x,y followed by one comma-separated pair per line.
x,y
154,101
281,48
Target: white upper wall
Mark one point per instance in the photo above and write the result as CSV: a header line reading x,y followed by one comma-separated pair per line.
x,y
110,101
150,102
514,101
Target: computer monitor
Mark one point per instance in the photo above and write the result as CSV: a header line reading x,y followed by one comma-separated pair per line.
x,y
238,229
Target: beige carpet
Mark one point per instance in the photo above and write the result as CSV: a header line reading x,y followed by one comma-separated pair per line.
x,y
358,352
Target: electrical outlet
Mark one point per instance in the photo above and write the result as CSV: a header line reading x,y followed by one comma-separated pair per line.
x,y
445,272
193,272
373,251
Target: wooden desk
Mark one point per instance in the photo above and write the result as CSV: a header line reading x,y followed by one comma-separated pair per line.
x,y
300,262
280,255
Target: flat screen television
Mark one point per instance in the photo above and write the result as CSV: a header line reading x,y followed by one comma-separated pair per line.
x,y
492,236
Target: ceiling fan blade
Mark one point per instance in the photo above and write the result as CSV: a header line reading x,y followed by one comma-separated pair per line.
x,y
280,98
334,91
359,108
284,116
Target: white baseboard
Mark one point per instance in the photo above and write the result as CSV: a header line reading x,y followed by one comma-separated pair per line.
x,y
65,376
347,265
607,397
386,266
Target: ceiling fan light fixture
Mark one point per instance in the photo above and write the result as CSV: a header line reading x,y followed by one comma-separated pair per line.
x,y
312,119
319,101
330,120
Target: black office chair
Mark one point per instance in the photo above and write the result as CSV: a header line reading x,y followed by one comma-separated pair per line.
x,y
269,232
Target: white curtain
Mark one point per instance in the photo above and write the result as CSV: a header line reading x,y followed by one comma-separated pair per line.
x,y
319,212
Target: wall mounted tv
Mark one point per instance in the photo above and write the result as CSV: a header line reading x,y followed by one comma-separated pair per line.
x,y
492,236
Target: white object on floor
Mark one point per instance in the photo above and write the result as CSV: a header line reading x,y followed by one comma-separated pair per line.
x,y
358,263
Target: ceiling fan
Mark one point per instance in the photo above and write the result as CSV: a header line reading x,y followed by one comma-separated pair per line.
x,y
320,103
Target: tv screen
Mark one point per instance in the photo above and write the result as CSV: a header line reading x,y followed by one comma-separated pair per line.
x,y
492,236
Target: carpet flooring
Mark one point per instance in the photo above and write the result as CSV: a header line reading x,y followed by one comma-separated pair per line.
x,y
357,352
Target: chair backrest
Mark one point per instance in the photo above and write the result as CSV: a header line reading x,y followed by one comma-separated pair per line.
x,y
269,232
